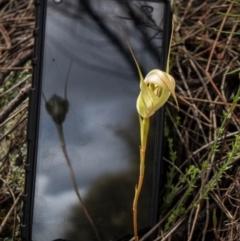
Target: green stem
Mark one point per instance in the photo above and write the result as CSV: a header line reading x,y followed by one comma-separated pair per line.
x,y
62,140
144,130
169,50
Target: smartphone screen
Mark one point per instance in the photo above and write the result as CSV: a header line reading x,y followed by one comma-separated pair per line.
x,y
88,127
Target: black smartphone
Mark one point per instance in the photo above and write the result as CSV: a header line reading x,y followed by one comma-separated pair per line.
x,y
83,132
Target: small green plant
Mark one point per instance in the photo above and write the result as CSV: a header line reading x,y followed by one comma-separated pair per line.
x,y
193,174
189,179
203,175
171,190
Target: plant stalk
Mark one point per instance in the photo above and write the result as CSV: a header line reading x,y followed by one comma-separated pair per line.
x,y
144,130
63,144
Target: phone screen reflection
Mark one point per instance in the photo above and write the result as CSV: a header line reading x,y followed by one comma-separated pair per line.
x,y
89,128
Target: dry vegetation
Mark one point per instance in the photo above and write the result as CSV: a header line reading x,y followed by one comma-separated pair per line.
x,y
201,55
16,47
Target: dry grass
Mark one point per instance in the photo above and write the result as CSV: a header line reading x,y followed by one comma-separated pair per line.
x,y
201,55
16,47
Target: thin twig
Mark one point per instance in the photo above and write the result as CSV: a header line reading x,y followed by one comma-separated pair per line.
x,y
23,94
75,186
10,211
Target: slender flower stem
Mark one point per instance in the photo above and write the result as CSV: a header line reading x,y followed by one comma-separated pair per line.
x,y
155,90
63,144
144,129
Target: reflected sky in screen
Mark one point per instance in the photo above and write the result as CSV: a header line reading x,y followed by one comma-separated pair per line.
x,y
88,64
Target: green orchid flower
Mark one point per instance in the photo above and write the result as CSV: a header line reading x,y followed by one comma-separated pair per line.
x,y
155,91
